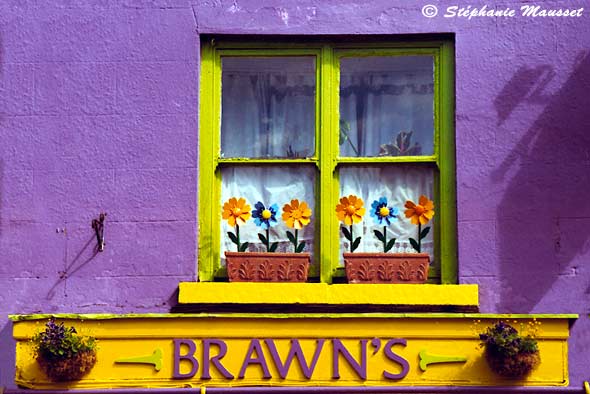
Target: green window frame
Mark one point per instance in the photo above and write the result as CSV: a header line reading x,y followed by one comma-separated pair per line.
x,y
326,157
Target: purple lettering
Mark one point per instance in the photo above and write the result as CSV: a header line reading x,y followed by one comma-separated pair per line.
x,y
396,359
215,360
294,352
259,359
189,356
359,368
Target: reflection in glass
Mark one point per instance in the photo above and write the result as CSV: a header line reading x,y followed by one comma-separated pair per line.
x,y
386,106
398,184
268,107
270,185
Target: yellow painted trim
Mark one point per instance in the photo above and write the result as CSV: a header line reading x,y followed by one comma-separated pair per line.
x,y
322,293
165,316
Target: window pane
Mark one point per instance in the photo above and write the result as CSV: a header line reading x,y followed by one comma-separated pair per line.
x,y
386,106
398,184
270,185
268,107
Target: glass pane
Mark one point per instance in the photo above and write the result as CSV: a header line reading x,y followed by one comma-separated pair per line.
x,y
386,106
270,185
268,107
398,184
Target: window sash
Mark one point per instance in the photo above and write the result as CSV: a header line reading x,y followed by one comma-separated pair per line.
x,y
326,156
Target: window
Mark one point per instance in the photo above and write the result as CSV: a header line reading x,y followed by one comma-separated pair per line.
x,y
316,121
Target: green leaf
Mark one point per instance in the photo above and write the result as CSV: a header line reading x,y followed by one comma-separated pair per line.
x,y
232,237
424,232
300,247
390,244
347,234
356,243
379,235
415,244
262,238
244,247
273,247
291,237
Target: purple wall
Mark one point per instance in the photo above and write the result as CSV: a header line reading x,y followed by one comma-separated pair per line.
x,y
98,112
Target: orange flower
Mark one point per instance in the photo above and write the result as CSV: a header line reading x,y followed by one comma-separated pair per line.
x,y
350,210
236,211
296,215
420,213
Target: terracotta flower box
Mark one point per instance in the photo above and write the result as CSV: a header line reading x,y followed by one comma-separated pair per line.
x,y
387,267
267,267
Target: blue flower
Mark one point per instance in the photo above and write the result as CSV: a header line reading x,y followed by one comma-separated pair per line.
x,y
382,213
265,217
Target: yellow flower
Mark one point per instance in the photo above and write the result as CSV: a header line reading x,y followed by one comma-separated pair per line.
x,y
350,210
420,213
297,214
236,211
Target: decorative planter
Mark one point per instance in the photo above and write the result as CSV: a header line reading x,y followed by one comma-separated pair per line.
x,y
386,267
72,368
517,366
267,267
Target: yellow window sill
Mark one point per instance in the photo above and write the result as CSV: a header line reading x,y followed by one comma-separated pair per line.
x,y
465,296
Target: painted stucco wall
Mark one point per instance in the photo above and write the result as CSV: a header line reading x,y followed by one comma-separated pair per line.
x,y
98,112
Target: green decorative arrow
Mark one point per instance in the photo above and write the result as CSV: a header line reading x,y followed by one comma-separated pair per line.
x,y
427,359
154,359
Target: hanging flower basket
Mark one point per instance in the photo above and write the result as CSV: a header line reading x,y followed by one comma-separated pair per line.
x,y
71,368
62,353
410,268
512,366
508,353
267,267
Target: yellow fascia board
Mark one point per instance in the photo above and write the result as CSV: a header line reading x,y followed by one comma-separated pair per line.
x,y
326,294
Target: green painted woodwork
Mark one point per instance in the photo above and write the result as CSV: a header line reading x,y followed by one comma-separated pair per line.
x,y
326,156
427,359
154,359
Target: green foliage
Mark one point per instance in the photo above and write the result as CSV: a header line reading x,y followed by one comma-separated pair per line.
x,y
57,342
415,245
504,340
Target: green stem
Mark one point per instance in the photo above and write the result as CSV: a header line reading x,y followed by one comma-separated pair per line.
x,y
238,236
296,239
384,239
351,238
419,238
268,239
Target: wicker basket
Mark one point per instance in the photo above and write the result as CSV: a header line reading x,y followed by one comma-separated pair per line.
x,y
72,368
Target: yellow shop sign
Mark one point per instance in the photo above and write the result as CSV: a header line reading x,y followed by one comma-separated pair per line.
x,y
217,350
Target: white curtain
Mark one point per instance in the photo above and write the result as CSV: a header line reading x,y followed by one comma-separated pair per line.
x,y
398,183
268,110
268,107
270,185
382,96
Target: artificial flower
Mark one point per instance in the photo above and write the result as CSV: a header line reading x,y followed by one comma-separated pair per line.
x,y
420,213
236,211
265,217
297,214
350,209
382,213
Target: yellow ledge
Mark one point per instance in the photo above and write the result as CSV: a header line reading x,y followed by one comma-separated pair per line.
x,y
324,294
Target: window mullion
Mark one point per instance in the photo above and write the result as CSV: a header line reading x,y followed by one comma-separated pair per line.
x,y
328,154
